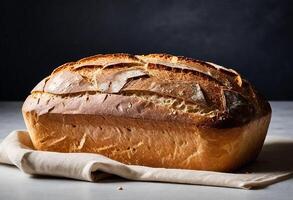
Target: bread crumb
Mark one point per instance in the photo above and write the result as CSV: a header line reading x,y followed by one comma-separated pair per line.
x,y
119,188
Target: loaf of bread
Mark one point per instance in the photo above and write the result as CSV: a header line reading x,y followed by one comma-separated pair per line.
x,y
154,110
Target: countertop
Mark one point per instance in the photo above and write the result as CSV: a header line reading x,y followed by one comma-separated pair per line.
x,y
17,185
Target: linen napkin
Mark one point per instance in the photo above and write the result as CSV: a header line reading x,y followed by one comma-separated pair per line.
x,y
273,165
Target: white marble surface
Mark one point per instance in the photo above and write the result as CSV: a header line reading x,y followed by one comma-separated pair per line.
x,y
16,185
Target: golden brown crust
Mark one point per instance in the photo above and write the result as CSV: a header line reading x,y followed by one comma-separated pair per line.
x,y
149,143
156,90
218,94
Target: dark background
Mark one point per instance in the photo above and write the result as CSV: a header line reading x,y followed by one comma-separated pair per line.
x,y
254,37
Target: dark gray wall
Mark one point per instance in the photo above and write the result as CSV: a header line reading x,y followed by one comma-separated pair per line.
x,y
254,37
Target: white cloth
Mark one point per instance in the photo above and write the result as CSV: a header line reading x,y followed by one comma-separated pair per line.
x,y
274,164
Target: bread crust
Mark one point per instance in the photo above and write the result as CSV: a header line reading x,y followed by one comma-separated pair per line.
x,y
156,110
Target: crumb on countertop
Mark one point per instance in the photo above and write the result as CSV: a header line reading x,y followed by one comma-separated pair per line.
x,y
119,188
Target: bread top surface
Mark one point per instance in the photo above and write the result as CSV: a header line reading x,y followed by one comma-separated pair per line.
x,y
149,87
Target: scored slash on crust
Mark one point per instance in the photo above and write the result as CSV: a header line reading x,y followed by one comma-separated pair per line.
x,y
177,83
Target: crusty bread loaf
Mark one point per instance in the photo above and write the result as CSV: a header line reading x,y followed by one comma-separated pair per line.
x,y
155,110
